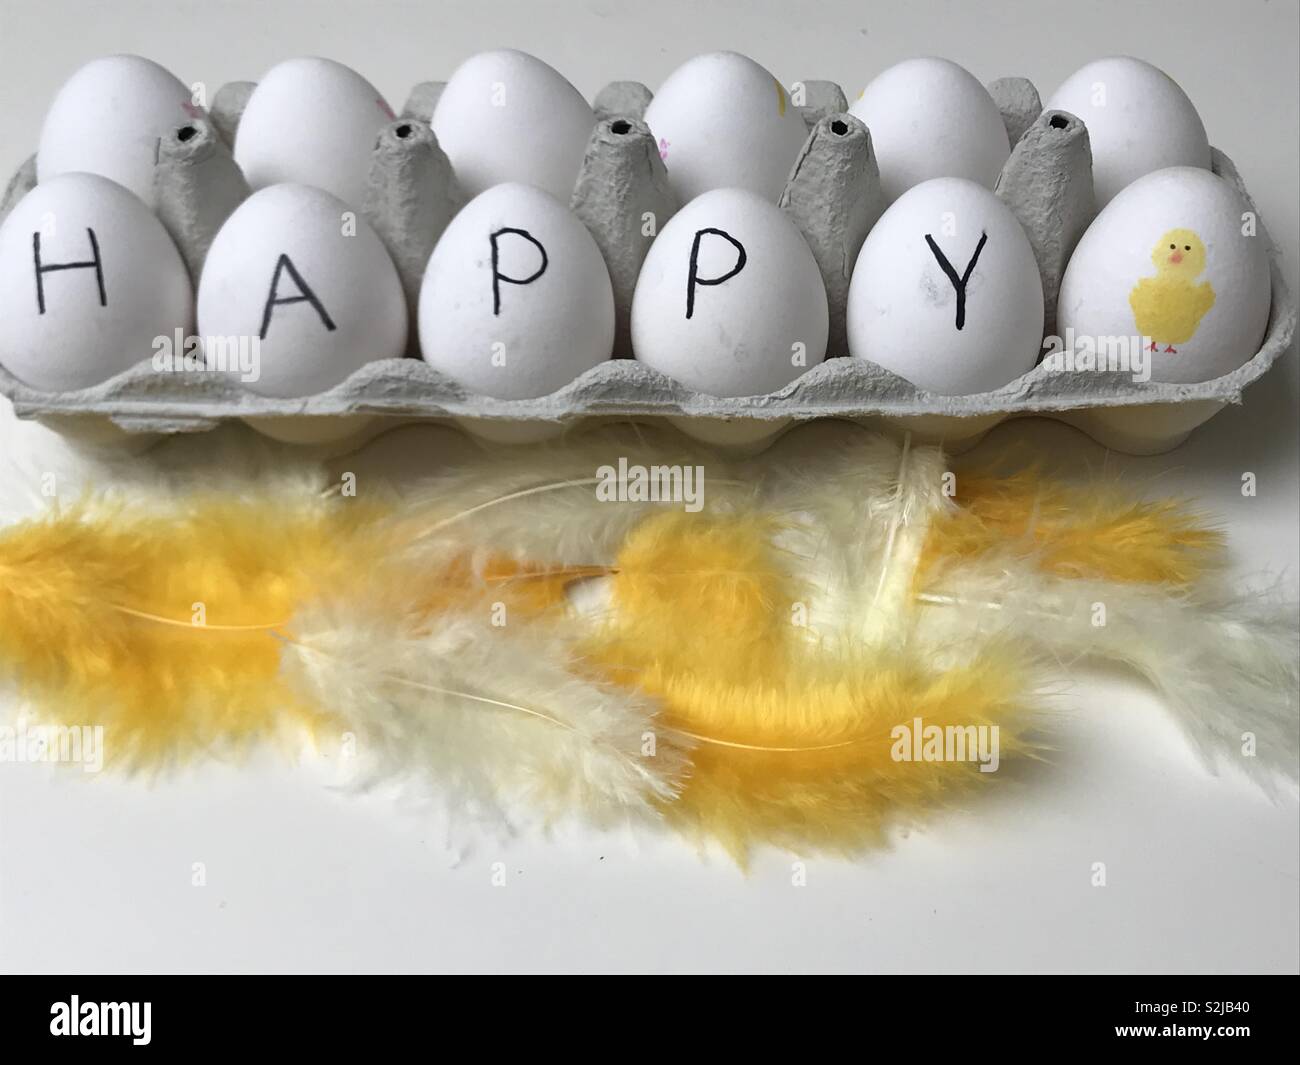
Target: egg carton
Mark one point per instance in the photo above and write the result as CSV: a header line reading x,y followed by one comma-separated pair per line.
x,y
833,196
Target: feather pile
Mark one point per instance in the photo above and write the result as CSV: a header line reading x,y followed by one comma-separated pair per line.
x,y
796,654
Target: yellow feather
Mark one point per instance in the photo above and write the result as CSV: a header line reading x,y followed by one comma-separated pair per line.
x,y
803,758
1089,531
793,746
157,621
701,592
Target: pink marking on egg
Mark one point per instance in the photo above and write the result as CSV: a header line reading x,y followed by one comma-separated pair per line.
x,y
663,149
383,106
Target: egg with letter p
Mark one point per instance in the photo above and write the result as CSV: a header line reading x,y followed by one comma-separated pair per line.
x,y
107,119
730,301
297,276
89,282
946,291
516,301
1174,266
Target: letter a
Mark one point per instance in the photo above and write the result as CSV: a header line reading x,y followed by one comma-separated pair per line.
x,y
305,295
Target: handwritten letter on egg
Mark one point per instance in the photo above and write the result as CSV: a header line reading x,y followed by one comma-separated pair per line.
x,y
305,295
958,283
42,268
693,274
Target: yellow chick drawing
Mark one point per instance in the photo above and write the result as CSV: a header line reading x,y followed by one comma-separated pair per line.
x,y
1169,307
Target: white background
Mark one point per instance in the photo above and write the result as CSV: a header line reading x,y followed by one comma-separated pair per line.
x,y
1203,871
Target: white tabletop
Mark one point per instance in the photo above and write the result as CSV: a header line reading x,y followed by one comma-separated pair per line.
x,y
96,873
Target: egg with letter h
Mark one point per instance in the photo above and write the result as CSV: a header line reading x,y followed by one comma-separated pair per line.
x,y
89,283
107,119
516,300
311,121
723,121
931,118
1174,267
298,277
507,116
946,291
1138,120
730,301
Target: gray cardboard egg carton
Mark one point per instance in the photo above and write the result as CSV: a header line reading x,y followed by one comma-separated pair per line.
x,y
833,195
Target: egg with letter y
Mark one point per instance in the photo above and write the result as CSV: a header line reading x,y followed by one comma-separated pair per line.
x,y
946,291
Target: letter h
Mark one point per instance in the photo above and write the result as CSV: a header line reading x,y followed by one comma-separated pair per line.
x,y
95,263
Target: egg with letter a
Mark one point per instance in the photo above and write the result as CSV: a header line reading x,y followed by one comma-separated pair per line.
x,y
107,119
946,291
730,301
298,274
1138,120
516,301
507,116
724,121
311,121
931,118
1175,266
89,280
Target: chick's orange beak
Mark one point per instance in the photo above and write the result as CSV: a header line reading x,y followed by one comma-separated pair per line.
x,y
1176,258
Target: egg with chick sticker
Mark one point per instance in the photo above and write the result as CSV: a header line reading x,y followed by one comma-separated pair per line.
x,y
1174,268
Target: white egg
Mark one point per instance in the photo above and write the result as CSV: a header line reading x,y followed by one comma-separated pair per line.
x,y
507,116
1138,121
107,119
729,300
516,300
946,291
295,269
1174,260
723,121
89,280
311,121
930,118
